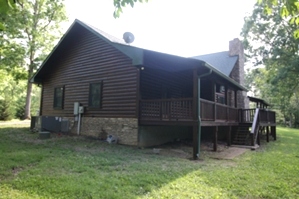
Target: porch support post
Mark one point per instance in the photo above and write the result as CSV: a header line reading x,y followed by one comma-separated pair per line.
x,y
229,136
214,97
267,131
195,95
236,99
226,95
196,111
273,131
196,115
138,97
196,142
215,137
258,136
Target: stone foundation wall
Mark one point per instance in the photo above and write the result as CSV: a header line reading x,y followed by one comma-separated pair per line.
x,y
125,129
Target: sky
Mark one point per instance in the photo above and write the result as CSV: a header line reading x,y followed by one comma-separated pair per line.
x,y
180,27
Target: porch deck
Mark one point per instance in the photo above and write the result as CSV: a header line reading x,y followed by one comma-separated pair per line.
x,y
181,111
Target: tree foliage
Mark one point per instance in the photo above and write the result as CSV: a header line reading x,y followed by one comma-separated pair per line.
x,y
120,4
7,5
288,9
30,34
269,42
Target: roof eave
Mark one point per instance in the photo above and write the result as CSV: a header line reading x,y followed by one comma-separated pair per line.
x,y
226,77
33,79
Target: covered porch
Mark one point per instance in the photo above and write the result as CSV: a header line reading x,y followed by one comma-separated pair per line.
x,y
181,92
175,91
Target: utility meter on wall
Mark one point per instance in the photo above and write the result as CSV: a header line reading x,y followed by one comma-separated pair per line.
x,y
81,109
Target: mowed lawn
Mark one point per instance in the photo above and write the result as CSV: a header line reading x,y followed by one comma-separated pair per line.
x,y
78,167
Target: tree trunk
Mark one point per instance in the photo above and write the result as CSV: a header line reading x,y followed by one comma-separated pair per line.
x,y
28,101
27,114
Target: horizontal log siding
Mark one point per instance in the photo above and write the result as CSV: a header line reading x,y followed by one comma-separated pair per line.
x,y
87,60
155,82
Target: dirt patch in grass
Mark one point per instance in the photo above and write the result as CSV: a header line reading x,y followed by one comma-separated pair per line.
x,y
185,150
16,170
228,153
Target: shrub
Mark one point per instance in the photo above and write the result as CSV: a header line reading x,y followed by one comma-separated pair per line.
x,y
20,109
6,111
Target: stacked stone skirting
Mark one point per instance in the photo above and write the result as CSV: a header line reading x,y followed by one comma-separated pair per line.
x,y
125,129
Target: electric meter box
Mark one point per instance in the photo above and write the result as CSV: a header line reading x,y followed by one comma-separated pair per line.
x,y
81,109
76,108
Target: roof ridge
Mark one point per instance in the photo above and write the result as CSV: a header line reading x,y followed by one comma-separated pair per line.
x,y
108,36
213,53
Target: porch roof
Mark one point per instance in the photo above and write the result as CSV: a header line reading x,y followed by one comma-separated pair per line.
x,y
258,100
220,60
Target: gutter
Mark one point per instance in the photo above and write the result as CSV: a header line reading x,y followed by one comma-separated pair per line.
x,y
198,110
206,74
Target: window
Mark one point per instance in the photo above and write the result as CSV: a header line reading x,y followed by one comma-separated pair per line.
x,y
58,97
220,94
95,90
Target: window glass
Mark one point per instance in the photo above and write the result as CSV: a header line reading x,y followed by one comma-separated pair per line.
x,y
58,97
95,95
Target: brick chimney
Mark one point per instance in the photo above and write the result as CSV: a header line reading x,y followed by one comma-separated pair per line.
x,y
236,49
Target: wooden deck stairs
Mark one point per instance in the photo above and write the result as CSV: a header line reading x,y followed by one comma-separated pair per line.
x,y
242,136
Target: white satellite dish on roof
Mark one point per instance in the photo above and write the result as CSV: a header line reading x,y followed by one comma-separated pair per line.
x,y
128,37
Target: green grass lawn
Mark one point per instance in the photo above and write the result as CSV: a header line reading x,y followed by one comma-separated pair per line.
x,y
77,167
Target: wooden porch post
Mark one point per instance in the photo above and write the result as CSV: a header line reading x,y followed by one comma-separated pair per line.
x,y
229,136
195,95
138,95
273,131
214,99
258,137
236,99
196,115
226,95
215,137
267,131
196,145
252,139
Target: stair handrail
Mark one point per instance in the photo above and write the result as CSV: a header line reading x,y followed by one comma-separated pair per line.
x,y
255,126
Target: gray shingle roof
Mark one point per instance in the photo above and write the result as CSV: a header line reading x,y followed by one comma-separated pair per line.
x,y
221,61
104,34
138,55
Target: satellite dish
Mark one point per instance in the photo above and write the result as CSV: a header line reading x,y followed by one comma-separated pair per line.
x,y
128,37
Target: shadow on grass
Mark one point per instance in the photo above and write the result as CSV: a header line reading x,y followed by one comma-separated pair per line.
x,y
76,167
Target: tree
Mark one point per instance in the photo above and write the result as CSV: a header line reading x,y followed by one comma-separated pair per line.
x,y
6,5
34,26
288,9
120,4
269,42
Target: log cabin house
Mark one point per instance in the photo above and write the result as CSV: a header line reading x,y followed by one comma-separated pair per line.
x,y
97,85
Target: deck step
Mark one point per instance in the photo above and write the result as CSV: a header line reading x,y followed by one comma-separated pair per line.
x,y
242,136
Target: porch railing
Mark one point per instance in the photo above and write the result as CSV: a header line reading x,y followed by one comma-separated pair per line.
x,y
183,109
211,111
265,116
261,117
167,109
247,115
